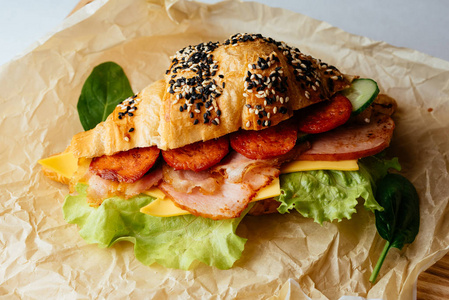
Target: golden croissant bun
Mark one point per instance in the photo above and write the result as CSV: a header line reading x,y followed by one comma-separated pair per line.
x,y
212,89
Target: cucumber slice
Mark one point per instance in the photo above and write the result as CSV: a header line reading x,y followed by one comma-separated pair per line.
x,y
362,93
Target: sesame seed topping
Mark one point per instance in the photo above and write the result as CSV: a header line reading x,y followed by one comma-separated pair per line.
x,y
126,138
248,124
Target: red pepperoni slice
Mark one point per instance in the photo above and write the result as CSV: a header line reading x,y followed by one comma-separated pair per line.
x,y
266,143
198,156
126,166
326,115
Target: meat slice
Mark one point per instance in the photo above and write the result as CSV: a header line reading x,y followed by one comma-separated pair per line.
x,y
100,189
353,141
126,166
326,115
226,203
185,180
266,143
198,156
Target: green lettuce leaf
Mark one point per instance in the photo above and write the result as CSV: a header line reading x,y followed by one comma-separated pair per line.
x,y
174,242
328,195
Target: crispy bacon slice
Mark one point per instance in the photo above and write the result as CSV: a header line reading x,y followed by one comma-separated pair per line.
x,y
126,166
198,156
266,143
100,189
227,202
353,141
186,180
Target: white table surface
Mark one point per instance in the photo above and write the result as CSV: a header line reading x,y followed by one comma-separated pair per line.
x,y
418,24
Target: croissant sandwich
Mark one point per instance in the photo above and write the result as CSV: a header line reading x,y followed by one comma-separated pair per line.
x,y
248,126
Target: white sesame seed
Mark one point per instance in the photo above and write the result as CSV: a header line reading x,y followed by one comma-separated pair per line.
x,y
275,109
367,120
277,98
334,77
281,100
287,99
314,87
256,112
245,95
261,92
329,70
217,120
250,90
307,95
251,110
197,111
268,115
250,66
269,85
260,96
317,83
126,138
253,77
258,75
248,124
303,66
265,102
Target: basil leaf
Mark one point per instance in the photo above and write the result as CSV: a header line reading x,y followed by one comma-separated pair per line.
x,y
398,223
105,87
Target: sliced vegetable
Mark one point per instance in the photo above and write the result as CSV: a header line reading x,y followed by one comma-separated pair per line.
x,y
362,93
398,223
105,87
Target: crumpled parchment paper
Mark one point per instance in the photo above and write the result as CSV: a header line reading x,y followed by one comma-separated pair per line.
x,y
286,256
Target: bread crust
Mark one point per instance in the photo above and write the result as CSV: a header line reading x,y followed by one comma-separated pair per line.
x,y
213,89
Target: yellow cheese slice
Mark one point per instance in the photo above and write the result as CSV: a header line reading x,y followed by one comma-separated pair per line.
x,y
306,165
65,164
163,207
270,191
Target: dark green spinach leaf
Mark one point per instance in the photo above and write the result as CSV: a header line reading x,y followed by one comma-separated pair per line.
x,y
105,87
398,223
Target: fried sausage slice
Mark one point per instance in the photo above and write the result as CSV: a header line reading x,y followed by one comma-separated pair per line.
x,y
266,143
326,115
198,156
126,166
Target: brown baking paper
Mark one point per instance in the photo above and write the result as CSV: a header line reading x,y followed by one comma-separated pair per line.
x,y
286,256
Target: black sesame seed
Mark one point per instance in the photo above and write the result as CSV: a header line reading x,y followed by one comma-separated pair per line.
x,y
283,110
206,120
181,109
221,76
131,130
259,122
248,105
191,115
195,122
223,84
130,114
218,112
214,122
